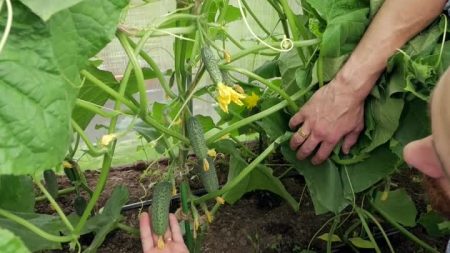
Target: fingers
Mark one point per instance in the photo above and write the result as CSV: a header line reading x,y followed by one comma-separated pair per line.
x,y
349,140
168,235
175,227
300,136
146,233
308,147
154,236
296,120
323,153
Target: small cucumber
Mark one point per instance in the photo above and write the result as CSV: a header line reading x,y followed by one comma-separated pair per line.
x,y
211,65
209,178
197,138
159,209
79,204
50,183
71,169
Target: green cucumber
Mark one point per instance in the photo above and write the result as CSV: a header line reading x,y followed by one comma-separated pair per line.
x,y
226,78
162,194
79,204
209,178
197,138
211,65
50,183
71,169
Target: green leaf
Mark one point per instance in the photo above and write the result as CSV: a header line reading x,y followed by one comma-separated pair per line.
x,y
323,181
108,219
346,23
430,221
361,243
48,223
268,70
385,113
232,14
410,128
399,206
275,125
11,243
16,193
46,8
261,178
326,236
381,163
91,93
39,80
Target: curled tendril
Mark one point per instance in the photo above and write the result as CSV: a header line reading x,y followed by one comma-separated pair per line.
x,y
286,44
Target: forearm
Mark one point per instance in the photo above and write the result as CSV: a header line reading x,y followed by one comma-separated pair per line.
x,y
396,22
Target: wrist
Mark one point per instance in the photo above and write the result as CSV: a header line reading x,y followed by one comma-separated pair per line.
x,y
357,78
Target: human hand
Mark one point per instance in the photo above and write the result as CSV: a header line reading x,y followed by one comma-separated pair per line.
x,y
333,113
173,239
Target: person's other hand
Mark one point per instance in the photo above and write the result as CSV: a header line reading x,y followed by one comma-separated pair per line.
x,y
332,113
173,239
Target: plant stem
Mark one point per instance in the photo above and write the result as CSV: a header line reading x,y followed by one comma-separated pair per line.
x,y
255,117
92,149
130,230
108,90
184,191
60,192
257,48
94,108
120,98
367,229
33,228
156,69
267,83
295,29
54,204
402,230
331,233
374,220
143,100
246,171
97,192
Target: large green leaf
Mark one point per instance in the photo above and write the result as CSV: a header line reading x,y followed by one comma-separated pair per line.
x,y
16,193
48,223
363,175
346,23
323,181
261,178
275,125
385,113
46,8
410,127
399,206
39,80
11,243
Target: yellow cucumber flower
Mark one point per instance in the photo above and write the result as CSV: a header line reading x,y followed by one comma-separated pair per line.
x,y
251,101
226,95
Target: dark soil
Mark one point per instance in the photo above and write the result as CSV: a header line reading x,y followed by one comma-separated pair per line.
x,y
259,222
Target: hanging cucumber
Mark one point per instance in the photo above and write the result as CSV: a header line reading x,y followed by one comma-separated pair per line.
x,y
197,138
209,178
162,194
211,65
79,204
71,169
50,183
